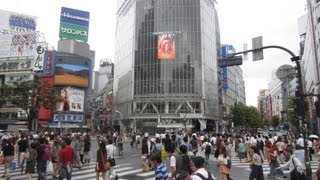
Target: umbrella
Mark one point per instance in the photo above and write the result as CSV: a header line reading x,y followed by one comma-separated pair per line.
x,y
313,136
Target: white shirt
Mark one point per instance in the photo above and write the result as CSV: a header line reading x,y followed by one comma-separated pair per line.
x,y
213,139
203,172
297,164
300,142
111,150
173,161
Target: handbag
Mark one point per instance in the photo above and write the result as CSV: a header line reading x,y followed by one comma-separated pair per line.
x,y
1,159
112,160
106,165
295,174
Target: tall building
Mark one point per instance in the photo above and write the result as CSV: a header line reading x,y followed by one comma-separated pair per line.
x,y
166,68
232,86
19,59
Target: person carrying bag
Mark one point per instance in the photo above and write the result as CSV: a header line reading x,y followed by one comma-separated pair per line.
x,y
102,165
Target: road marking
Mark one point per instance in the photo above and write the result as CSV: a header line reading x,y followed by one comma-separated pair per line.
x,y
130,172
146,174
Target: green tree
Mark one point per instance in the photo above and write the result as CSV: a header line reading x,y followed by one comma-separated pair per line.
x,y
275,121
291,115
29,96
243,115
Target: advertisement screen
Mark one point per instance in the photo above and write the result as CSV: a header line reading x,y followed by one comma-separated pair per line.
x,y
70,99
17,22
70,74
19,44
166,46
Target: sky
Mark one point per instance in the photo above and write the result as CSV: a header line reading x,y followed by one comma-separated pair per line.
x,y
240,21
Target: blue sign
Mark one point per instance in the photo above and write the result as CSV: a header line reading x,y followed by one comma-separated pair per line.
x,y
75,17
22,21
225,50
48,63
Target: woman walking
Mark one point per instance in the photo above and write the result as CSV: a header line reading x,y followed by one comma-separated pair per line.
x,y
273,162
256,165
55,151
8,153
223,158
30,157
102,159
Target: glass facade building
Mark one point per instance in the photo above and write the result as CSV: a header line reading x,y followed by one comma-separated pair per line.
x,y
166,63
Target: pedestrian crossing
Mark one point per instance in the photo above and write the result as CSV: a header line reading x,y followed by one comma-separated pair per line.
x,y
87,172
266,169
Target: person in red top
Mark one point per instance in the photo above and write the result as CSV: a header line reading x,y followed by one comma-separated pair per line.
x,y
66,158
273,162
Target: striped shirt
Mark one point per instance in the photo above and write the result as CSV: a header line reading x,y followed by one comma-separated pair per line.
x,y
161,172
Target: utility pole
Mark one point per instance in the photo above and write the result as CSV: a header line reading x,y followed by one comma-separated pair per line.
x,y
301,95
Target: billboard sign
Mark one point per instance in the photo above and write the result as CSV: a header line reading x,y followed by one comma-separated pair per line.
x,y
166,46
48,63
74,16
39,57
10,79
12,21
69,31
70,74
15,65
74,24
18,44
70,99
68,118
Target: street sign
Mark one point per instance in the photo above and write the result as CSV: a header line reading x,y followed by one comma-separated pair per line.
x,y
245,54
234,61
257,53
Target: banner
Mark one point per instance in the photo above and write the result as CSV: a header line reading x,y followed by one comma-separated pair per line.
x,y
70,99
39,57
166,46
48,63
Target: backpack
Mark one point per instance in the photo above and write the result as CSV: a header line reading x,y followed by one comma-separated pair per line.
x,y
163,154
207,149
203,178
46,153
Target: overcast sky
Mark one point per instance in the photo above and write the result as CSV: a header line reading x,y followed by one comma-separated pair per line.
x,y
240,21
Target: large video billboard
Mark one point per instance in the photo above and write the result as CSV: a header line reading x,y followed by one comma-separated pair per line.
x,y
18,44
70,74
12,21
74,24
10,79
70,99
166,46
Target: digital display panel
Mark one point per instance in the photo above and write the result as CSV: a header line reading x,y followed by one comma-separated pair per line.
x,y
166,46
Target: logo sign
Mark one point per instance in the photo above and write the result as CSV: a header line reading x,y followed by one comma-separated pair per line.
x,y
74,16
74,24
39,58
68,117
68,31
15,22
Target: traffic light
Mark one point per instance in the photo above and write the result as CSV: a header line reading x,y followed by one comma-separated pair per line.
x,y
297,106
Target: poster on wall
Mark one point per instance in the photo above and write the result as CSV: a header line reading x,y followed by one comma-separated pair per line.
x,y
70,74
48,63
18,44
166,46
70,99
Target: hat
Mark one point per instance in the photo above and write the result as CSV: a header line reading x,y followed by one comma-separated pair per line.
x,y
153,140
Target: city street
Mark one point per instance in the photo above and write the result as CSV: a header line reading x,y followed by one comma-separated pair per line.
x,y
129,167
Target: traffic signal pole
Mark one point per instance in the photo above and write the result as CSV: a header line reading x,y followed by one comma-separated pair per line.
x,y
295,59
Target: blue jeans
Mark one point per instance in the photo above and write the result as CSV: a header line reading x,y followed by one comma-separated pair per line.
x,y
41,170
68,173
